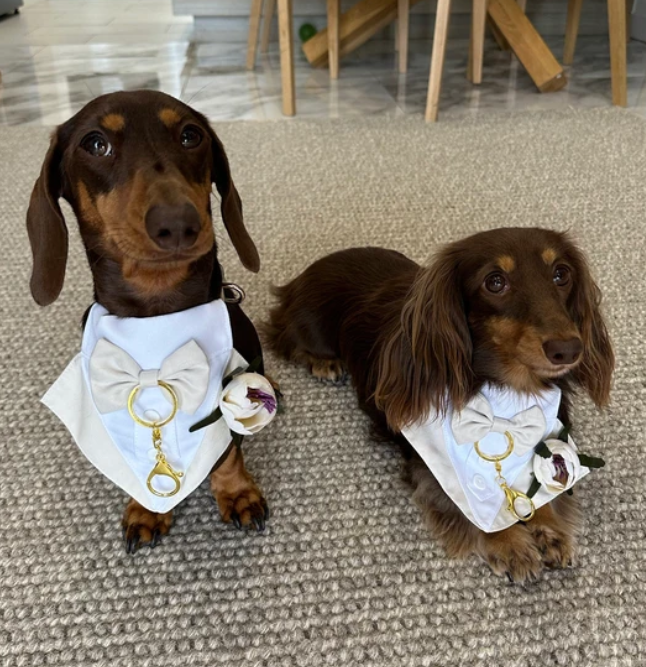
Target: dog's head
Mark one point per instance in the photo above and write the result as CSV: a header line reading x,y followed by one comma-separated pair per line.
x,y
515,307
137,168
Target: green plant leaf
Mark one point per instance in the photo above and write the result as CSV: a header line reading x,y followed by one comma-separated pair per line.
x,y
209,419
565,432
591,461
254,365
534,487
543,450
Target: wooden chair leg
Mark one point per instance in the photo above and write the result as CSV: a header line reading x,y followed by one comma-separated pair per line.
x,y
333,11
268,19
403,20
254,28
476,47
571,30
286,39
617,29
437,59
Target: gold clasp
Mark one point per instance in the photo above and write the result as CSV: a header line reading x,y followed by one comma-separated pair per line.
x,y
162,467
511,495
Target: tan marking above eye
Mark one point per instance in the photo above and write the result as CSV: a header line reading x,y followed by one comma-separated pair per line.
x,y
169,117
506,263
113,121
548,255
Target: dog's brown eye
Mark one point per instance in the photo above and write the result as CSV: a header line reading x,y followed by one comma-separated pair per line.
x,y
97,145
191,137
496,283
561,275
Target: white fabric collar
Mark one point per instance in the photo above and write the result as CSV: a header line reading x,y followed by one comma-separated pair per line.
x,y
123,450
468,479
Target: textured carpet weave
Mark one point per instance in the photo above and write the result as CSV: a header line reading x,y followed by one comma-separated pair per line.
x,y
345,573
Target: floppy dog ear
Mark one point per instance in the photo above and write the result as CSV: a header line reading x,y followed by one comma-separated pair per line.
x,y
425,358
594,373
231,207
47,230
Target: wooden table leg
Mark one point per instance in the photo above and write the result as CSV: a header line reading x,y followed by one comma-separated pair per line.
x,y
476,47
437,59
617,29
333,12
403,19
268,19
286,39
254,28
571,30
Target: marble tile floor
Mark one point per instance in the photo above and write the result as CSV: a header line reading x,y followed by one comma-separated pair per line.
x,y
61,53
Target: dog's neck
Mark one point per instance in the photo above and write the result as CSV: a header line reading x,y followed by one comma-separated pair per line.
x,y
200,283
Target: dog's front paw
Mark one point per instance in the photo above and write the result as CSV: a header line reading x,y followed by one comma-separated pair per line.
x,y
553,529
328,369
244,507
557,548
512,552
142,527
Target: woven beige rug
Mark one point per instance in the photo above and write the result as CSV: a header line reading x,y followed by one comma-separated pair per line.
x,y
345,573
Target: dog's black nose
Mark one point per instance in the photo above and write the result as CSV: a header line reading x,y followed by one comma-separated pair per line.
x,y
173,227
561,352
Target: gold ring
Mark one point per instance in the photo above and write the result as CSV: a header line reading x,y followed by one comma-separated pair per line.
x,y
498,457
143,422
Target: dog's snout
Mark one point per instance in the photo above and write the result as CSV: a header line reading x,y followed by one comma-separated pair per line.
x,y
173,227
561,352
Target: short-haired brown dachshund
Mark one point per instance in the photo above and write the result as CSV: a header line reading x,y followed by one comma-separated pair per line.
x,y
138,168
512,308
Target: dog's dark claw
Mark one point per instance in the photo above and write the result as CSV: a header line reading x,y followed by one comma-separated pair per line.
x,y
235,518
511,579
156,539
266,507
131,545
259,523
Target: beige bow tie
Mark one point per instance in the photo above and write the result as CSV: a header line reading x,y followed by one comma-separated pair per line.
x,y
114,374
477,420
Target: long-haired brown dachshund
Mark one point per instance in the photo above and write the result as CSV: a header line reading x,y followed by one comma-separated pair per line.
x,y
138,168
512,308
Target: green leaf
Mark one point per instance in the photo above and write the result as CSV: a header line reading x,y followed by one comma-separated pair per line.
x,y
591,461
209,419
227,378
543,450
534,487
565,432
254,365
251,368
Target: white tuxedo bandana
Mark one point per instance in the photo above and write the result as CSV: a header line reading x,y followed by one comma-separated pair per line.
x,y
446,445
190,351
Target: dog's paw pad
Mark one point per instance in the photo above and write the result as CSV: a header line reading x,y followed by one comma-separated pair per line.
x,y
141,527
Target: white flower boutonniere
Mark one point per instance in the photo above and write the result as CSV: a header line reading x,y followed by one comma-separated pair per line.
x,y
247,404
559,471
558,466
